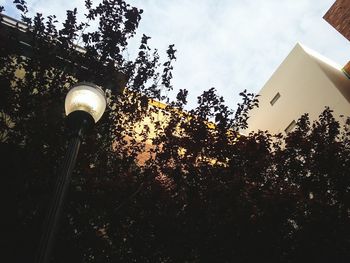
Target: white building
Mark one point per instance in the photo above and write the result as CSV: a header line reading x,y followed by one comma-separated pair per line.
x,y
305,82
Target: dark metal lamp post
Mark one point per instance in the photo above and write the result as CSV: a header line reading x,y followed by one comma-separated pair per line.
x,y
85,104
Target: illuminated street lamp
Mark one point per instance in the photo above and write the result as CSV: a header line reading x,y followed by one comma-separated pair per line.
x,y
87,98
85,104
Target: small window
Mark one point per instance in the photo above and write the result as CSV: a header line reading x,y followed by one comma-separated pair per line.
x,y
277,96
290,127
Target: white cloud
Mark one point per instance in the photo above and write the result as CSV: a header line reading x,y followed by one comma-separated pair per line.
x,y
236,45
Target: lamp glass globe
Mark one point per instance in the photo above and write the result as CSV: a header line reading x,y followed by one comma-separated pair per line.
x,y
86,97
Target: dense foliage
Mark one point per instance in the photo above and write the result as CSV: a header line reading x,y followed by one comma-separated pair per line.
x,y
203,194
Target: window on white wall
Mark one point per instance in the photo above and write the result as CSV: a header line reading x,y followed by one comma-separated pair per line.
x,y
290,127
277,96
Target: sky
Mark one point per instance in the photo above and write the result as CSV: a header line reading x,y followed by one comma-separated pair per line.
x,y
226,44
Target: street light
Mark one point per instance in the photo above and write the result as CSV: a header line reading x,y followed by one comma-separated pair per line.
x,y
84,105
88,98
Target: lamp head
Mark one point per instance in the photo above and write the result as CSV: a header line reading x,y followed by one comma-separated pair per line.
x,y
87,97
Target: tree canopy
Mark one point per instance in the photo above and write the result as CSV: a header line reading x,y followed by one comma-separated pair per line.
x,y
204,193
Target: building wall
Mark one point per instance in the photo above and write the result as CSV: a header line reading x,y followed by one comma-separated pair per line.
x,y
339,17
306,82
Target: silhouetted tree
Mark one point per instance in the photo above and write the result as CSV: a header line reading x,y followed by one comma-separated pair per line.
x,y
204,194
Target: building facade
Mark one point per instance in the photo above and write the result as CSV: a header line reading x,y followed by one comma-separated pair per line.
x,y
338,16
305,82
